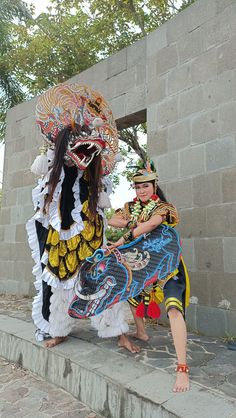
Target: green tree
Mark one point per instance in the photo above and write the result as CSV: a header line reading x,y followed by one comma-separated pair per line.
x,y
73,35
13,15
70,37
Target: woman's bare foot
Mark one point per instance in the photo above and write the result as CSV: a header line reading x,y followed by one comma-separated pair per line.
x,y
139,335
182,382
124,342
55,341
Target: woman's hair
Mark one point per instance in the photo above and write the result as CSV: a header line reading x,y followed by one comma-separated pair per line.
x,y
159,192
60,150
94,170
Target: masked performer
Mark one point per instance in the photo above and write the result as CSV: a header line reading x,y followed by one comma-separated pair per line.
x,y
148,210
68,226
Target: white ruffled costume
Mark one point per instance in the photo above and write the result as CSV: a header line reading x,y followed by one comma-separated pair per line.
x,y
109,323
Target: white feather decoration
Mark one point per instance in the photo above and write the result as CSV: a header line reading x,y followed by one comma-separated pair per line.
x,y
103,200
40,164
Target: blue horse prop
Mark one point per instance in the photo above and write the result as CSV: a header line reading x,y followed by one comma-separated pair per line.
x,y
112,276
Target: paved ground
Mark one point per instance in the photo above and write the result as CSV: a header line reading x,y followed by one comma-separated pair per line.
x,y
212,365
23,394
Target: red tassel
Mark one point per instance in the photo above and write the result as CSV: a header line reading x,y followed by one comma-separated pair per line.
x,y
153,310
140,310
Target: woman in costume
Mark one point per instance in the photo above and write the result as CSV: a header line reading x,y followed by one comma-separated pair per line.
x,y
69,223
148,210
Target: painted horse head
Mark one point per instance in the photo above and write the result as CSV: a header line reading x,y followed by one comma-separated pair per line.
x,y
98,275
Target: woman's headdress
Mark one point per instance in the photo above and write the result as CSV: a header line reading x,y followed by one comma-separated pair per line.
x,y
145,172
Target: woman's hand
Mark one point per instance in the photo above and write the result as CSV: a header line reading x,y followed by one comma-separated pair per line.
x,y
117,221
116,244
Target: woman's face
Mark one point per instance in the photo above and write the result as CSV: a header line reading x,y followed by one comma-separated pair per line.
x,y
144,191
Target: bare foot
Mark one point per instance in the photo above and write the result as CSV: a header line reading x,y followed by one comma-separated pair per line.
x,y
55,341
182,382
124,342
139,335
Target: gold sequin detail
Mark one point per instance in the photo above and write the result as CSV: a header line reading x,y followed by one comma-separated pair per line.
x,y
73,242
85,209
71,261
99,226
49,236
53,256
62,249
84,251
55,238
62,270
96,243
88,231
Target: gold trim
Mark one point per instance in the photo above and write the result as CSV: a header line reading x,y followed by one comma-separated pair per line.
x,y
133,302
144,178
172,298
174,304
162,283
187,284
173,301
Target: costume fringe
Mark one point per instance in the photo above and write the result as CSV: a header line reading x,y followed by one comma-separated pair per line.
x,y
37,316
60,323
53,218
111,322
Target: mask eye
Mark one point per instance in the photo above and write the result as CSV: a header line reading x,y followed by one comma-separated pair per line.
x,y
101,267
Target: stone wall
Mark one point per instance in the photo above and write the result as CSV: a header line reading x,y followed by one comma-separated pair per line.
x,y
182,78
191,113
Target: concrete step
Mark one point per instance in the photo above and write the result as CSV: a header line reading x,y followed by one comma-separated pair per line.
x,y
109,383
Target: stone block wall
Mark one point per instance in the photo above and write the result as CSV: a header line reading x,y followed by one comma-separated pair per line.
x,y
182,78
191,133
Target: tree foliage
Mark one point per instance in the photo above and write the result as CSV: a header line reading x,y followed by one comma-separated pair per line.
x,y
113,234
13,15
67,39
73,35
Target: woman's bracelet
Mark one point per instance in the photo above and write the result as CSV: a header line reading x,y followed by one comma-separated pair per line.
x,y
128,236
131,225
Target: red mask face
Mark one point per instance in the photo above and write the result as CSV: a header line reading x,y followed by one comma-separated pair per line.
x,y
82,152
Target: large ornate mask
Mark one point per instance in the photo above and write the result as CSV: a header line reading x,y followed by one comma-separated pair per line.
x,y
89,120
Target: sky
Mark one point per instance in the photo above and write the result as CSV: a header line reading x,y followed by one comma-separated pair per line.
x,y
40,5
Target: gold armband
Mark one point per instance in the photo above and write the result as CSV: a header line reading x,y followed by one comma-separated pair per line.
x,y
128,237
